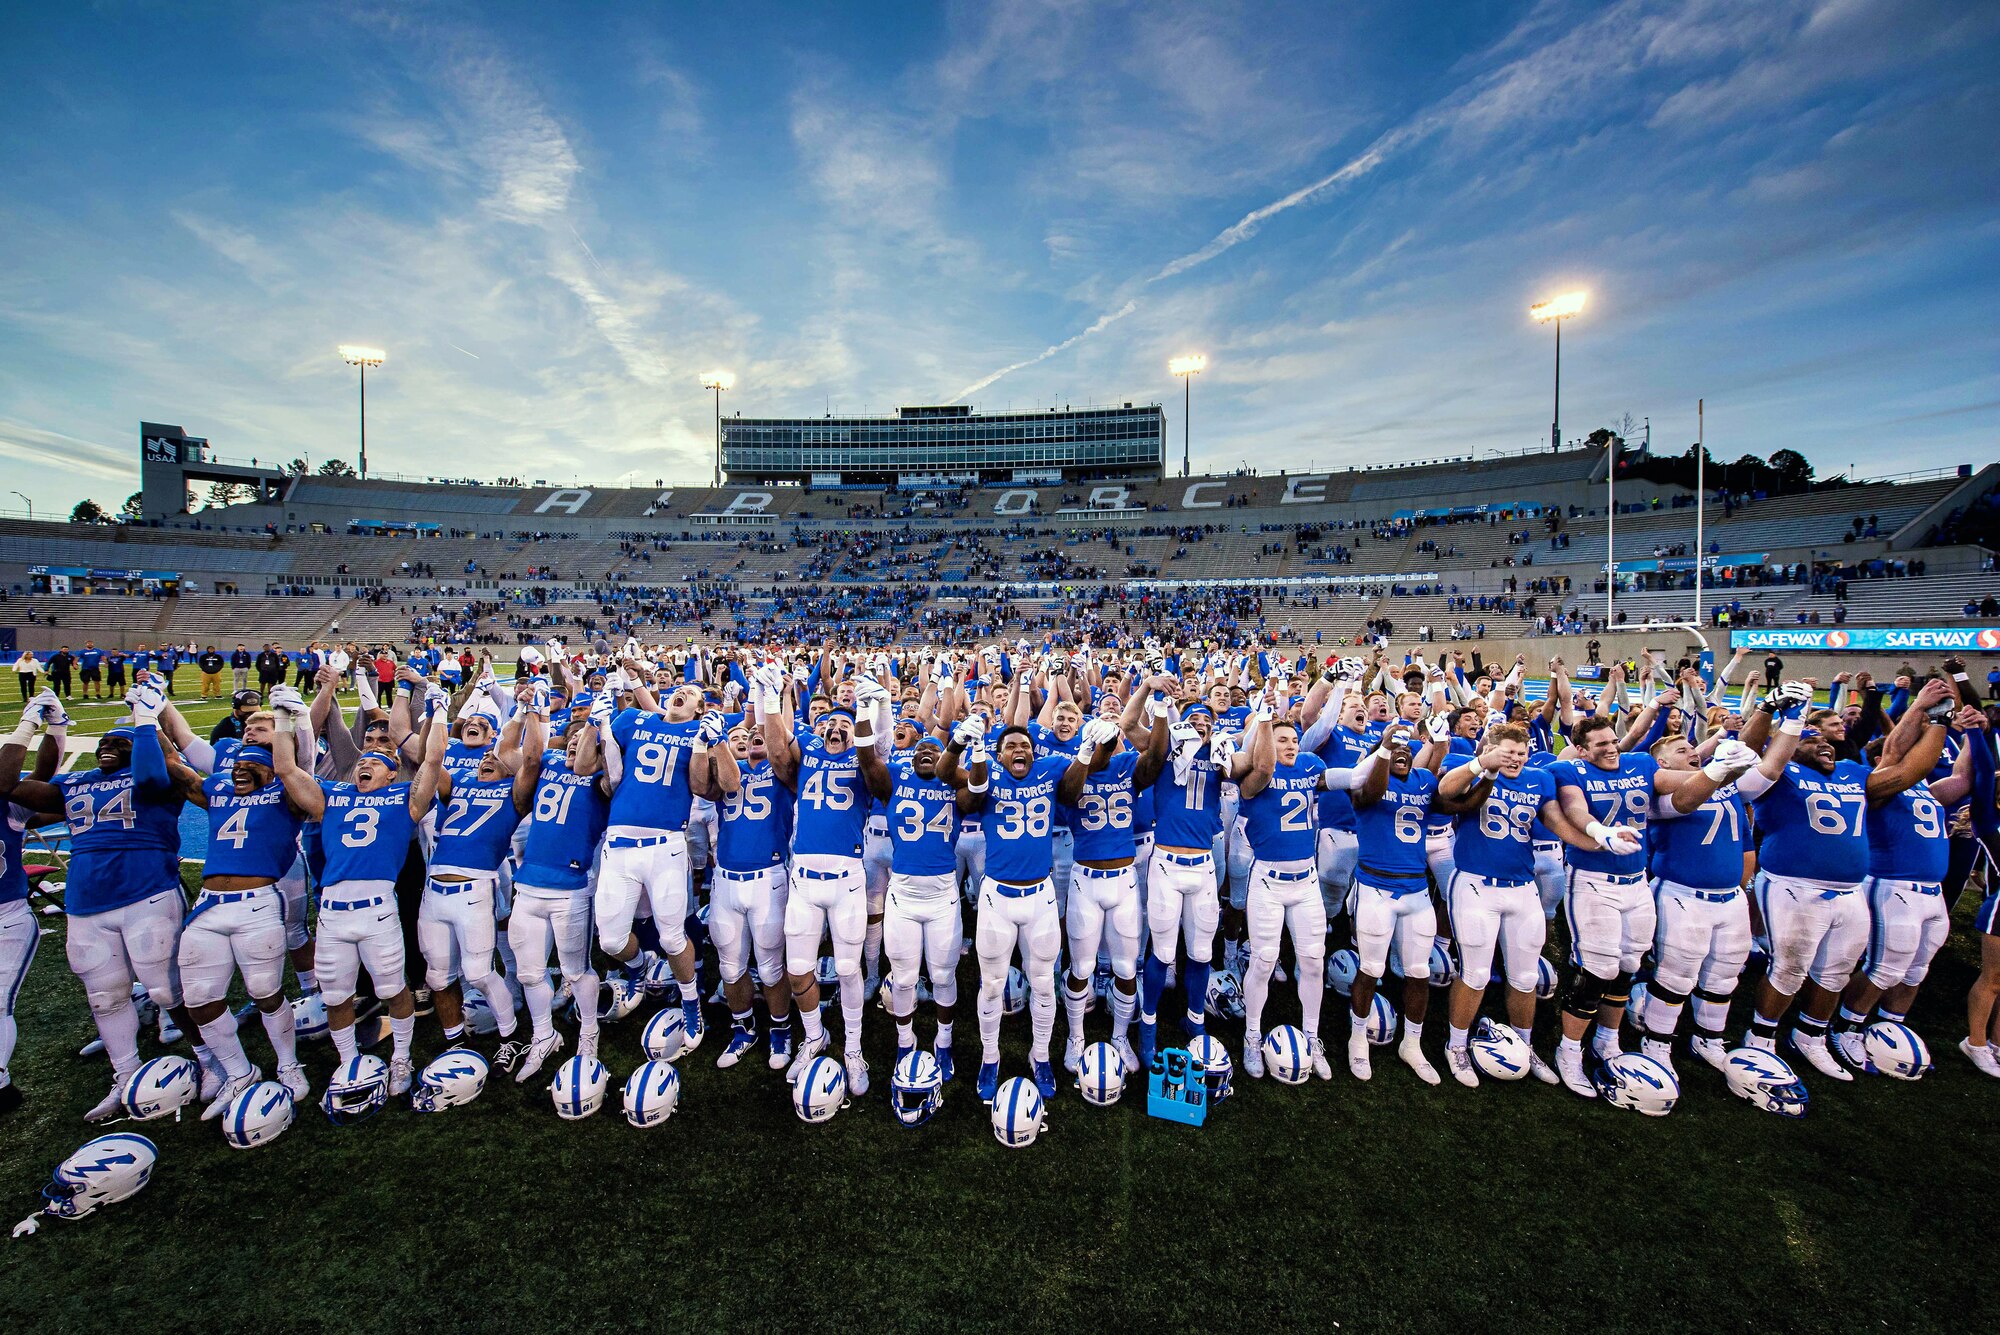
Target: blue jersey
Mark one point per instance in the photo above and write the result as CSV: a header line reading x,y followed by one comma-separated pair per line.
x,y
751,829
477,827
1282,819
1391,834
1815,825
923,823
1019,815
1622,796
1704,848
654,792
1542,758
13,877
1189,815
462,761
365,836
1343,750
257,835
832,801
1104,818
1497,840
571,812
1145,807
125,834
1048,744
1907,839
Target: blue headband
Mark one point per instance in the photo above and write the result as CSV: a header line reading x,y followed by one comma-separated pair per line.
x,y
121,731
252,755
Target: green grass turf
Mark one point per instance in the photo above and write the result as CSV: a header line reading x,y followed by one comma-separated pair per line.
x,y
1381,1206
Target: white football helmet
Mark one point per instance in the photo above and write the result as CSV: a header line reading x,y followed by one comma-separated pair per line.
x,y
1382,1021
1212,1062
102,1172
666,1035
1101,1075
1895,1049
652,1093
258,1115
1545,978
1444,966
579,1087
357,1091
821,1091
309,1016
161,1086
1498,1051
916,1088
1225,995
1341,968
618,998
1015,999
1285,1055
1766,1080
1639,1084
479,1016
1018,1114
455,1076
659,978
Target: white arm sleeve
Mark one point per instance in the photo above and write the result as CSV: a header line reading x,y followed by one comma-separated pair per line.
x,y
199,755
1347,780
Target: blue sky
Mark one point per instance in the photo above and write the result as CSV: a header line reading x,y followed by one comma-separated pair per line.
x,y
556,217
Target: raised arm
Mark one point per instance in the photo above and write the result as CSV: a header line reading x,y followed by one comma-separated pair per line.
x,y
302,790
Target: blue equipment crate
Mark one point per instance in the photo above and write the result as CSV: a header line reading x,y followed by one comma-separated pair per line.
x,y
1175,1089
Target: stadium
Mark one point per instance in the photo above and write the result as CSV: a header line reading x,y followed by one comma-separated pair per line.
x,y
596,841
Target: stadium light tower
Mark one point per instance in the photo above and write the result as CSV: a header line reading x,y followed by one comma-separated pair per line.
x,y
718,381
1558,309
1187,368
354,354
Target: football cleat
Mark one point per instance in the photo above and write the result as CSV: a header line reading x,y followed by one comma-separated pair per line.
x,y
742,1038
1569,1067
1539,1068
1413,1057
293,1078
1316,1049
1129,1057
111,1104
781,1044
803,1058
1714,1051
213,1078
691,1015
946,1067
509,1054
1253,1054
857,1073
1045,1079
1813,1048
1148,1040
1460,1062
229,1091
538,1052
1851,1047
988,1081
586,1043
1357,1055
1073,1053
401,1073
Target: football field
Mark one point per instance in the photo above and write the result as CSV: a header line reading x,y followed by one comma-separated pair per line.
x,y
1389,1205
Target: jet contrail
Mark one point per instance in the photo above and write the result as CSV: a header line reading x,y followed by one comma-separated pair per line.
x,y
1048,352
587,250
473,355
1228,238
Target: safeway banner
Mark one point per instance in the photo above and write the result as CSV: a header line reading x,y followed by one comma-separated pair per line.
x,y
1936,638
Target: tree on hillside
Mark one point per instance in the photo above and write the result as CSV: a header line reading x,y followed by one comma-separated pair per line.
x,y
134,509
336,468
227,493
297,468
1794,470
88,512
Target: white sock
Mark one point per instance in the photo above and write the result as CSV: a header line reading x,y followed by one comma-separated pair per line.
x,y
809,1017
280,1028
989,1023
1122,1006
1042,1014
401,1031
343,1043
220,1034
119,1028
540,999
1073,1005
308,981
852,1002
944,1034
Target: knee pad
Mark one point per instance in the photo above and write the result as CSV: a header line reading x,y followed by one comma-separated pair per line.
x,y
770,973
731,970
438,979
1478,976
944,991
1586,992
1268,955
1618,991
1661,992
109,1000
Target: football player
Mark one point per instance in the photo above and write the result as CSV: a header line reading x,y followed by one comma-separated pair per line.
x,y
1280,798
1813,858
366,829
921,922
1017,905
832,770
1608,794
746,903
19,932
